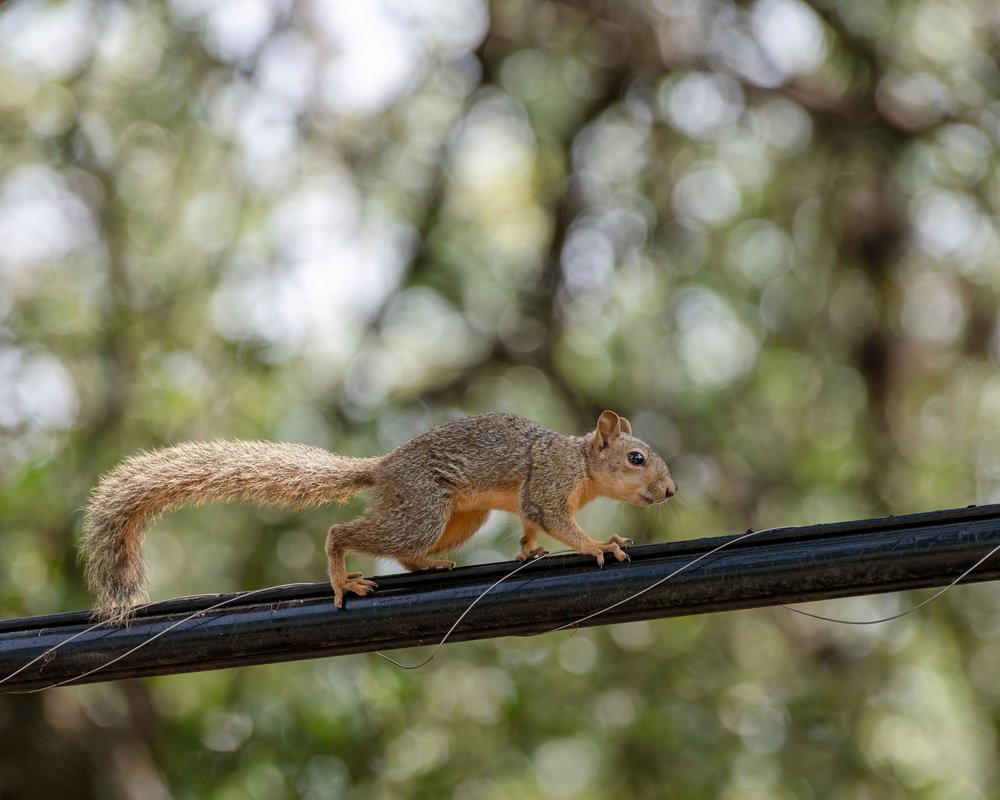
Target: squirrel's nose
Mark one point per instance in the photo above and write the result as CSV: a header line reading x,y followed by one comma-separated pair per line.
x,y
671,490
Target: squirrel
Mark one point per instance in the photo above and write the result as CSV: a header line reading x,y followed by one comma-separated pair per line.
x,y
429,495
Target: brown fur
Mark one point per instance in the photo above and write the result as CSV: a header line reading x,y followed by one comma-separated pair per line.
x,y
429,495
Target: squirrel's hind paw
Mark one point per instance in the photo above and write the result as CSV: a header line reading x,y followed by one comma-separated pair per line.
x,y
354,584
537,552
420,564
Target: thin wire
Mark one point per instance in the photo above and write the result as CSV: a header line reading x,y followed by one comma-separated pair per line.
x,y
154,637
465,613
510,574
49,653
242,595
664,579
917,607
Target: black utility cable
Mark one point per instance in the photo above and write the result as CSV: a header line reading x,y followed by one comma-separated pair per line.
x,y
780,566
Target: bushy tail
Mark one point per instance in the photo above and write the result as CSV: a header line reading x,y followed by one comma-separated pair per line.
x,y
148,484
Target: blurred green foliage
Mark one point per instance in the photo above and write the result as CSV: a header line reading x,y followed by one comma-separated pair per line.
x,y
767,232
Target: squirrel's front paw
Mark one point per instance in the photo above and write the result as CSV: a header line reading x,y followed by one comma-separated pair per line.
x,y
614,546
621,541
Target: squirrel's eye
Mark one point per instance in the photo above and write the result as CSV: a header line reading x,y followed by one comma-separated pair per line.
x,y
637,458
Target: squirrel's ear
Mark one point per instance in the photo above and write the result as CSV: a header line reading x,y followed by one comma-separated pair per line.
x,y
626,425
608,427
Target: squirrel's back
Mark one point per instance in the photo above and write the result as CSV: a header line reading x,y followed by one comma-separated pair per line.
x,y
483,450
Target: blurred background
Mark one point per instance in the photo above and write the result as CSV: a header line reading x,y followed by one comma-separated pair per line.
x,y
765,231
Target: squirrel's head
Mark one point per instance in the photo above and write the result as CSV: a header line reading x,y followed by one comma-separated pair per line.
x,y
626,468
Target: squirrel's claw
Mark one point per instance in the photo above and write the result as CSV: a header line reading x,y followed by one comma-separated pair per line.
x,y
618,553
